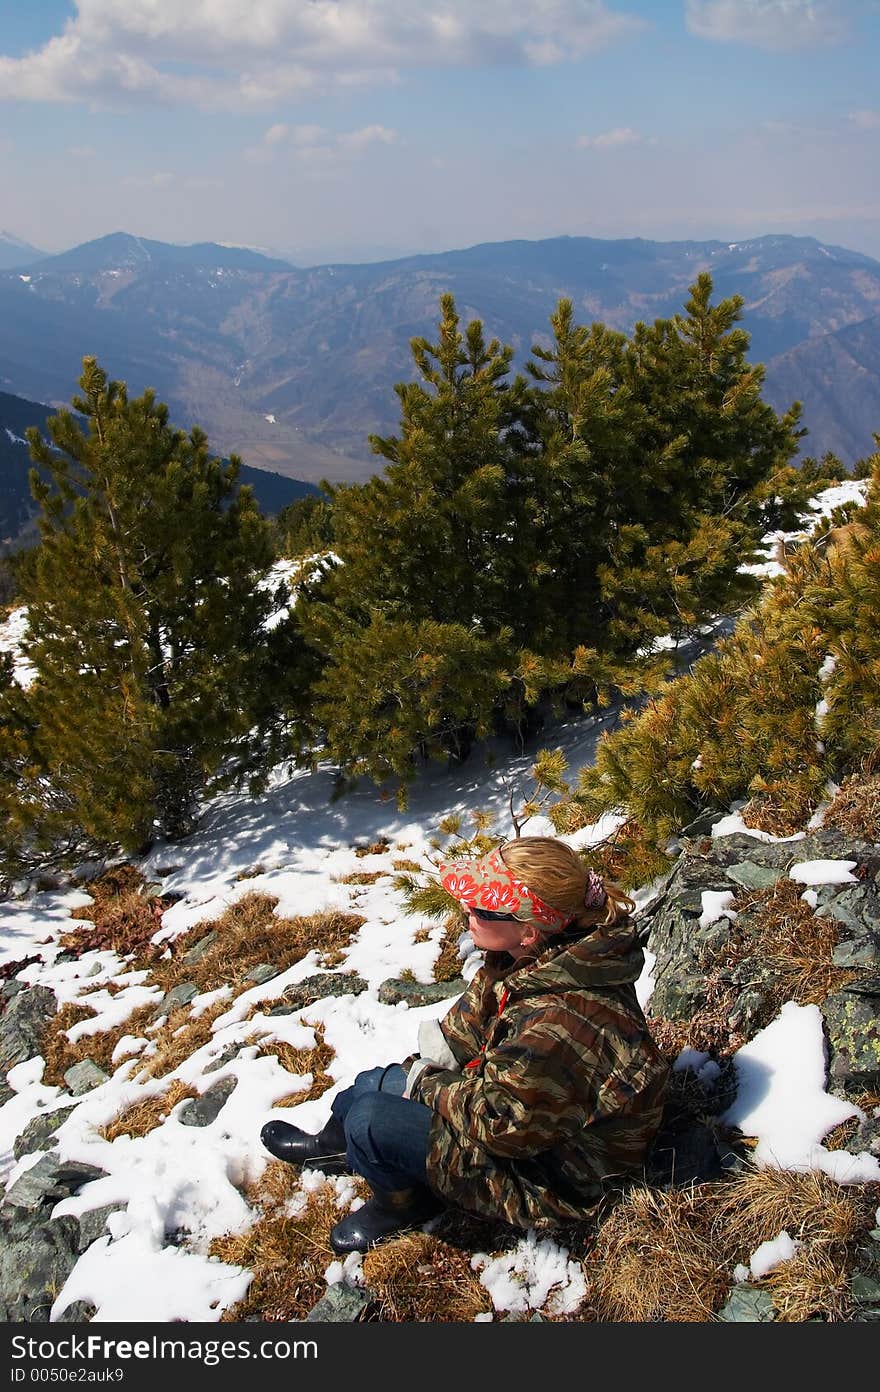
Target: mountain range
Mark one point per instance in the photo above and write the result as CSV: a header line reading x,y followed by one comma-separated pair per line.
x,y
293,368
17,507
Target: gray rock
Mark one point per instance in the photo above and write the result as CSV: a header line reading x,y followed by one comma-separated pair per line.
x,y
753,876
40,1131
416,993
85,1076
78,1312
23,1023
201,1111
748,1012
225,1056
858,953
264,971
93,1224
34,1266
852,1024
858,907
344,1303
197,952
745,1305
177,996
45,1183
11,988
315,988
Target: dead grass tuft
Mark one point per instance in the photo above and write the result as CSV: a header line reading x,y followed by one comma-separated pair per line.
x,y
140,1118
122,918
363,877
404,864
855,809
659,1257
315,1060
794,942
179,1037
288,1255
447,965
375,848
781,808
250,933
418,1277
56,1048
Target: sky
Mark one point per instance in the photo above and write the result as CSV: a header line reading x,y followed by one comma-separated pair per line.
x,y
184,1177
363,129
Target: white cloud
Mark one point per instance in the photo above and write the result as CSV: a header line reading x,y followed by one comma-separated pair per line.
x,y
229,53
773,24
611,139
865,120
368,135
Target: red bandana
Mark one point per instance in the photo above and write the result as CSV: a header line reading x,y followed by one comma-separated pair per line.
x,y
487,883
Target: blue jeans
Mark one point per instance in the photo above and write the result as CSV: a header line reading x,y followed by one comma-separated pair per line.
x,y
386,1133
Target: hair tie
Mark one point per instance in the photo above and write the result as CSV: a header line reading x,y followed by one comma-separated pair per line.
x,y
594,895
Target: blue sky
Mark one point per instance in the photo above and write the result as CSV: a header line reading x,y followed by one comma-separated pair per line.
x,y
354,129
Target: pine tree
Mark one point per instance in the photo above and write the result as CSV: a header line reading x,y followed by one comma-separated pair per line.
x,y
157,677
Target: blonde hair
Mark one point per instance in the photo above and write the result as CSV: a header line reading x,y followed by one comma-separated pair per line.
x,y
557,873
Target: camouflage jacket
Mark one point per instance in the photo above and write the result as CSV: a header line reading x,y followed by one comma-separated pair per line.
x,y
564,1091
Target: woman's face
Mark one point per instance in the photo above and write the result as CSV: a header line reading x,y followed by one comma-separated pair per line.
x,y
497,935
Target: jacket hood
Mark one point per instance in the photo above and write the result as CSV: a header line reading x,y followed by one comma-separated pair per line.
x,y
604,957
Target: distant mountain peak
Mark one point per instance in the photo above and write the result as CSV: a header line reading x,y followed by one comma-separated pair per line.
x,y
117,251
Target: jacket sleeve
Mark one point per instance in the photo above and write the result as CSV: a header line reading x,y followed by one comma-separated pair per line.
x,y
462,1026
530,1094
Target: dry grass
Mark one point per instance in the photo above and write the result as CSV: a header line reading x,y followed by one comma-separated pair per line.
x,y
422,935
375,848
855,809
122,918
793,942
404,864
56,1048
179,1037
140,1118
447,965
315,1060
418,1277
251,873
781,808
287,1255
363,877
250,933
659,1257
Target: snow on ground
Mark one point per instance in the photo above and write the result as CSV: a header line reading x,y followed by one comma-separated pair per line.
x,y
183,1179
850,491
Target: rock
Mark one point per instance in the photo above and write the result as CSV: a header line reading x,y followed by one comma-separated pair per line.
x,y
748,1012
93,1224
746,1305
85,1076
40,1131
753,876
859,953
197,952
857,907
34,1266
45,1183
315,988
225,1056
11,988
176,997
23,1024
264,971
852,1023
416,993
344,1303
202,1111
78,1312
685,1155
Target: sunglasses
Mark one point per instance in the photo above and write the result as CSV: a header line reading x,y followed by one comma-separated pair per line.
x,y
493,917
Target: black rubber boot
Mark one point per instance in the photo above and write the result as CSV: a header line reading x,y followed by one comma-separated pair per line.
x,y
326,1151
385,1213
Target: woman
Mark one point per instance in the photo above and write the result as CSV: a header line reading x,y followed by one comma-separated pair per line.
x,y
541,1086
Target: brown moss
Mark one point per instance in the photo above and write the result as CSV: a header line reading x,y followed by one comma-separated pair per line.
x,y
140,1118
